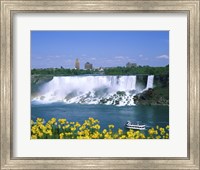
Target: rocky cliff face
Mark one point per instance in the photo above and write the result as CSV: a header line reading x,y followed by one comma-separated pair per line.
x,y
159,95
156,96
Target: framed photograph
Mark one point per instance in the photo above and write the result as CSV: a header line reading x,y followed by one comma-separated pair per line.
x,y
100,84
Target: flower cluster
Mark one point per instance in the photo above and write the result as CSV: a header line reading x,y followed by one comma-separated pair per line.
x,y
158,133
90,129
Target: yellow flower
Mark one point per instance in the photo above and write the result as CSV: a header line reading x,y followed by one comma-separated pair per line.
x,y
95,135
48,126
107,136
49,132
115,136
96,121
61,135
66,126
33,137
130,133
89,130
161,129
142,136
82,127
120,131
91,119
86,137
40,134
68,134
53,120
137,137
39,120
86,132
110,132
158,137
111,126
123,137
80,133
77,124
96,126
33,129
73,128
163,132
104,131
62,121
151,131
137,132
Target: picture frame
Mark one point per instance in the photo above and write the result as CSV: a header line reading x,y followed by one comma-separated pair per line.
x,y
10,8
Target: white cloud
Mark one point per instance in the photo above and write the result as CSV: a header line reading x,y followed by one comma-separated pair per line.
x,y
93,58
163,57
119,57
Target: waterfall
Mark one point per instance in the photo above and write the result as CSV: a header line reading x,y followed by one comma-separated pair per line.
x,y
89,89
149,82
110,90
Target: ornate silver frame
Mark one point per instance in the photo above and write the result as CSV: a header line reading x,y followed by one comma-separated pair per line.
x,y
10,7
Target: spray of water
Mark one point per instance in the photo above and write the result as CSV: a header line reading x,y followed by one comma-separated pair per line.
x,y
117,90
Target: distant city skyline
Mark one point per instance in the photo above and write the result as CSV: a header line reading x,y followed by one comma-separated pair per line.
x,y
53,49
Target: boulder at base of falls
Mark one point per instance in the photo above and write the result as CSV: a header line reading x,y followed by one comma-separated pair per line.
x,y
155,96
121,93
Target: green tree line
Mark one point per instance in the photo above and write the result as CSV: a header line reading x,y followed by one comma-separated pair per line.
x,y
138,70
107,71
60,71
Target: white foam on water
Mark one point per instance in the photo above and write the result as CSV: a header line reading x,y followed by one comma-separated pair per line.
x,y
91,90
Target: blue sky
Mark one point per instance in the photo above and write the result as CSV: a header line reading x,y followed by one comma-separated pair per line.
x,y
101,48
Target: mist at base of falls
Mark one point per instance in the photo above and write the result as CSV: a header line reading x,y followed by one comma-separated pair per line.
x,y
108,90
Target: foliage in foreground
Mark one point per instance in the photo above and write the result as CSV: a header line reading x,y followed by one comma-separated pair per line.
x,y
90,129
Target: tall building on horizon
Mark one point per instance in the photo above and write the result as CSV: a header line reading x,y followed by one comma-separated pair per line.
x,y
88,66
129,64
77,64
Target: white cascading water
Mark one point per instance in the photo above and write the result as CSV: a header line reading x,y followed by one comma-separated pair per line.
x,y
110,90
88,90
150,80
